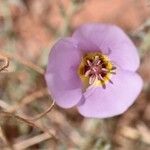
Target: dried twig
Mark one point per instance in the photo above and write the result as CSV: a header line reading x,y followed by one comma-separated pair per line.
x,y
31,141
28,121
140,133
5,140
8,114
144,132
44,113
23,61
4,105
28,99
130,133
5,63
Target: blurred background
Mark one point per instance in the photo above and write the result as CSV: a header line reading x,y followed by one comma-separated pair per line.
x,y
28,29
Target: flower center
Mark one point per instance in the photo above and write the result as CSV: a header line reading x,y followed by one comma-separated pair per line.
x,y
96,69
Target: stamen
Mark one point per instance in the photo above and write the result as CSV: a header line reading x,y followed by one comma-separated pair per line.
x,y
89,63
98,62
97,69
92,79
105,70
87,73
100,77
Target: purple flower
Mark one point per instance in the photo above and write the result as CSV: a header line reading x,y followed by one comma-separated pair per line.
x,y
94,70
